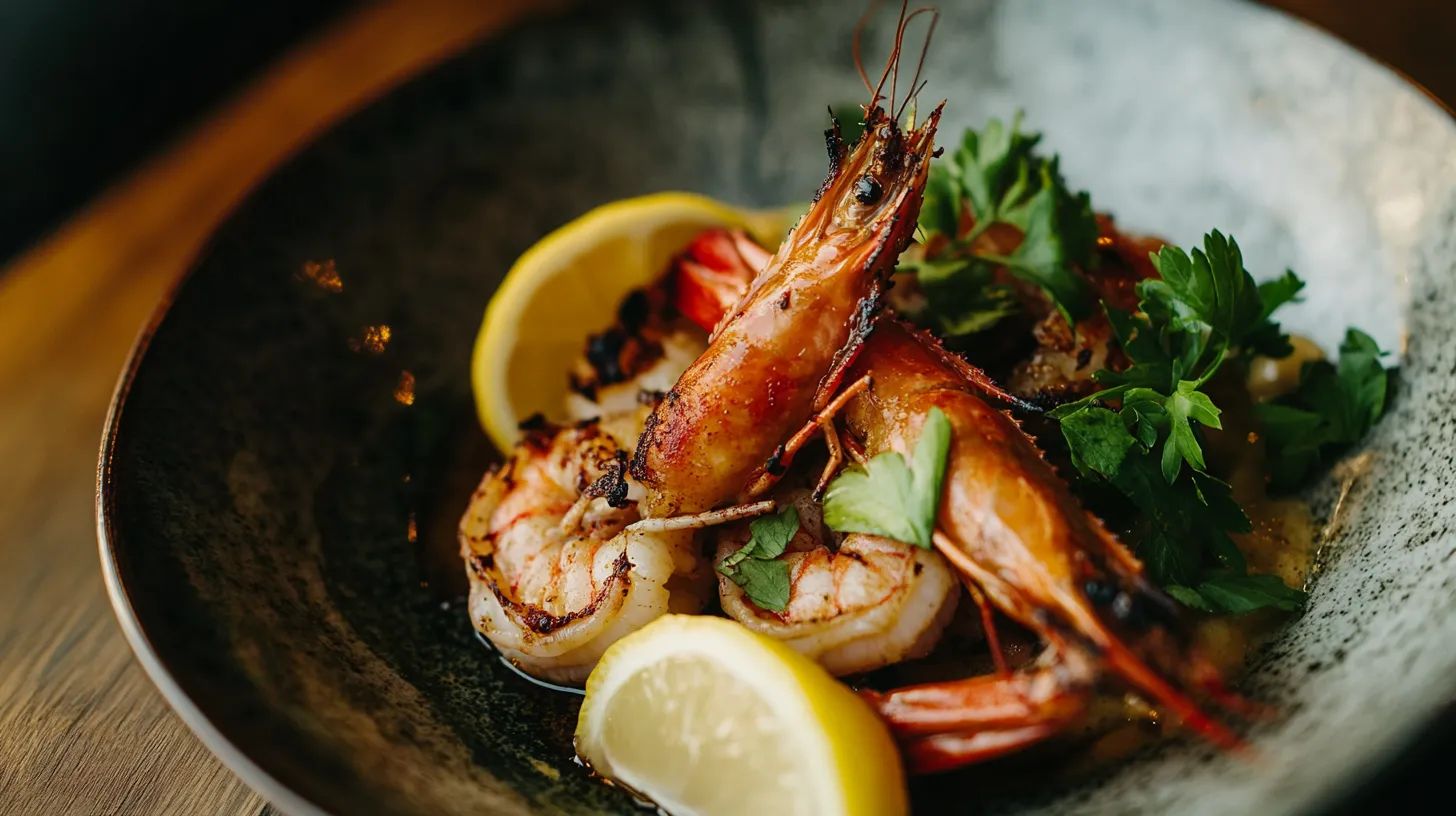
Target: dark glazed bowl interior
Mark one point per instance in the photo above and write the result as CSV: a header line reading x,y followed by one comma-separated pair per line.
x,y
282,479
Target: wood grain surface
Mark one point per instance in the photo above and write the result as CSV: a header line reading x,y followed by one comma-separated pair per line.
x,y
82,730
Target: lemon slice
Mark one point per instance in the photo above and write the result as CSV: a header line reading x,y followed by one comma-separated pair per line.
x,y
569,285
704,717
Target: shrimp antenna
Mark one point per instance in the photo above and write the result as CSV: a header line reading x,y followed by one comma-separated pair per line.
x,y
894,59
899,49
915,84
858,61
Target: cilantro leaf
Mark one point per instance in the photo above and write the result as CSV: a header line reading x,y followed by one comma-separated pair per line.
x,y
765,582
1333,408
887,497
755,565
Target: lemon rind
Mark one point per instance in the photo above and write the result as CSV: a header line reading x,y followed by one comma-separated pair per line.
x,y
631,217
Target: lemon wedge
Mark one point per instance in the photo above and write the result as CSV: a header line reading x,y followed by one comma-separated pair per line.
x,y
569,284
704,717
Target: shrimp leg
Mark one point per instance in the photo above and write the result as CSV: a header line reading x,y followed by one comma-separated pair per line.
x,y
779,462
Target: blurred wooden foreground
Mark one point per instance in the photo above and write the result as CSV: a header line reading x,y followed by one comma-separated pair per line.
x,y
82,731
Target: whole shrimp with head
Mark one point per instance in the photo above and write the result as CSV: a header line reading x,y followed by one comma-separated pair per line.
x,y
561,560
781,352
1022,545
731,426
1026,549
1017,537
855,602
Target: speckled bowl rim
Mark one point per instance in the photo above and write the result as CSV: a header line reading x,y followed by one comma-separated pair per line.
x,y
281,796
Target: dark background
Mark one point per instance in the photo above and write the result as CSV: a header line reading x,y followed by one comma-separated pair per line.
x,y
90,88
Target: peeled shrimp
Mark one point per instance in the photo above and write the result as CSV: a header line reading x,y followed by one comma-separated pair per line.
x,y
556,575
867,603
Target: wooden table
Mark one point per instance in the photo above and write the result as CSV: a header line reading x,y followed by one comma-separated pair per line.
x,y
82,730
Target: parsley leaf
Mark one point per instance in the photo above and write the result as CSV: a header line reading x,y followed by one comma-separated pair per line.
x,y
1267,338
1055,226
997,177
1333,408
1182,522
766,583
755,566
1189,323
1212,287
1203,311
1230,592
1183,405
940,209
887,497
963,298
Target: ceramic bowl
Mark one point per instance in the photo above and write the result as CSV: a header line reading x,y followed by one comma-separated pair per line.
x,y
287,457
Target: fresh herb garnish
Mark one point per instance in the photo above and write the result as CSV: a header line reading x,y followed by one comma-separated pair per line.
x,y
1184,525
1191,321
1333,408
1232,592
1205,311
996,177
755,566
887,497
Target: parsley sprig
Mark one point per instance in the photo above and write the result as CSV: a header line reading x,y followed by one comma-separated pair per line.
x,y
997,177
1334,406
756,565
889,497
1204,311
1199,315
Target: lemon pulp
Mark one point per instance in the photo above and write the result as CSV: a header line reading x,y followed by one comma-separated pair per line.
x,y
705,717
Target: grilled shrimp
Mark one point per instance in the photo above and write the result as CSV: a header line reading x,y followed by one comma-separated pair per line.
x,y
556,577
556,572
781,351
1017,535
866,603
854,604
1022,545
